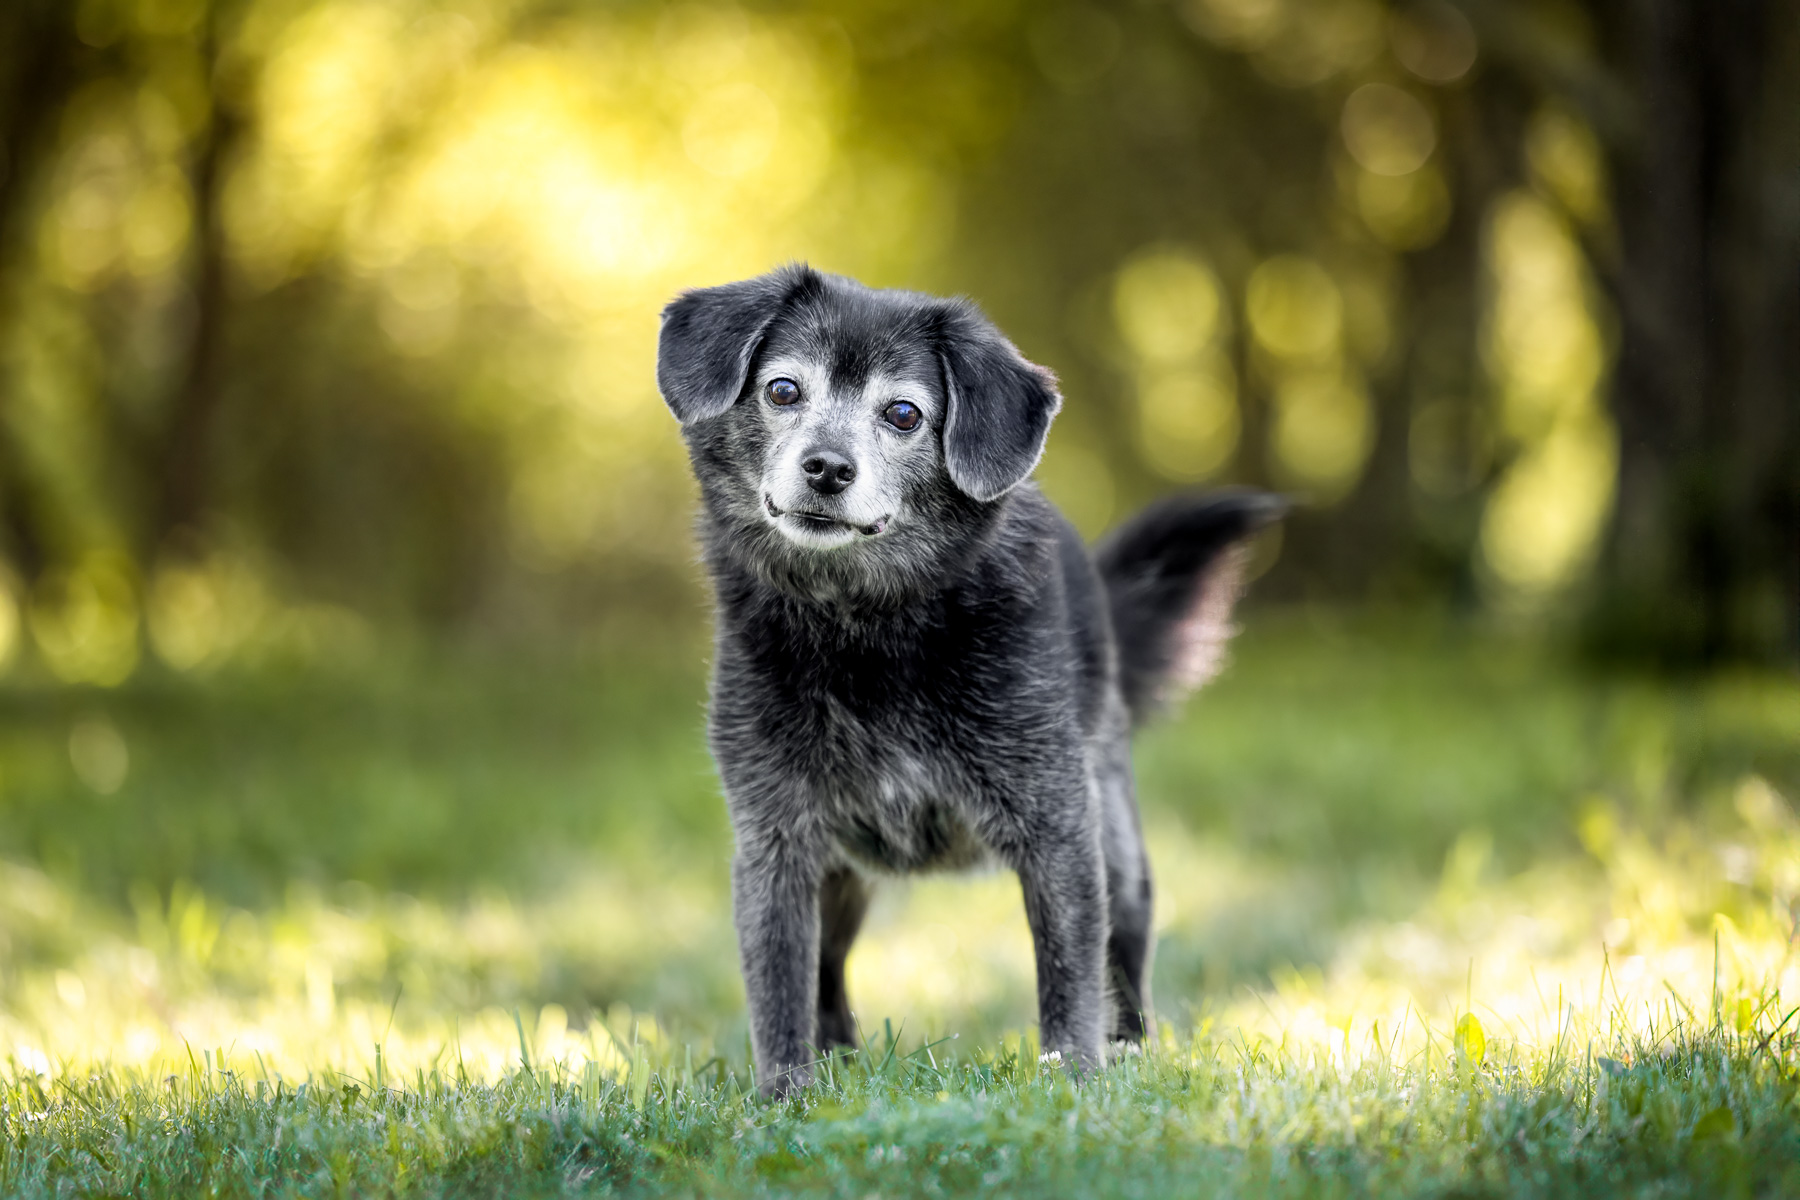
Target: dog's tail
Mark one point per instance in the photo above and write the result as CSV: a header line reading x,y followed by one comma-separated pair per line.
x,y
1172,574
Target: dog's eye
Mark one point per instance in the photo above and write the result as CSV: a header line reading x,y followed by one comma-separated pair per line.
x,y
783,391
902,416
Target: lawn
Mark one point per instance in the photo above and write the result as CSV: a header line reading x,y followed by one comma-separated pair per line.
x,y
1439,914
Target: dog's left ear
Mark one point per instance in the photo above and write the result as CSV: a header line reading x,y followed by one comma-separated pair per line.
x,y
1000,405
709,336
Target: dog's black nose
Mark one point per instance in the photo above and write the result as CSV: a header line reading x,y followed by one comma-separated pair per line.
x,y
827,472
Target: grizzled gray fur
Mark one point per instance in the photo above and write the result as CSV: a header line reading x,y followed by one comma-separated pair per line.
x,y
919,666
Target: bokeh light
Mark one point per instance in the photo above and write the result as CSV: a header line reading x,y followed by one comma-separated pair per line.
x,y
280,249
1387,130
1433,40
1547,354
1295,308
1564,157
1324,422
1404,212
85,622
1168,305
1324,430
9,624
1171,313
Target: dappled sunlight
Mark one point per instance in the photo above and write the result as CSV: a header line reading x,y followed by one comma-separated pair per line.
x,y
367,294
1636,936
1324,431
1565,160
1324,427
121,206
1434,42
1172,318
9,624
1546,351
1404,212
222,611
85,622
1295,308
510,197
1387,130
1694,925
1476,833
942,953
1188,422
1293,43
314,984
1412,889
1564,953
587,176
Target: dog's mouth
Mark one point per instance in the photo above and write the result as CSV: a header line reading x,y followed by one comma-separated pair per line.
x,y
820,523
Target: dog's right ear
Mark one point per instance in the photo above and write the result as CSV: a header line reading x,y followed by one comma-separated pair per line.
x,y
709,336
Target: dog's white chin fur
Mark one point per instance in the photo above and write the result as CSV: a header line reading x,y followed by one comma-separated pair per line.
x,y
812,536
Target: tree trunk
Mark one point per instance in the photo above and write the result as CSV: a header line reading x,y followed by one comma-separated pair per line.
x,y
40,71
187,450
1703,559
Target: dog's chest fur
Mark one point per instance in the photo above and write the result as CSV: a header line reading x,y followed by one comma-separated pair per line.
x,y
888,732
894,805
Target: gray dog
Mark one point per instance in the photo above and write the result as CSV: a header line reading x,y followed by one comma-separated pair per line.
x,y
919,666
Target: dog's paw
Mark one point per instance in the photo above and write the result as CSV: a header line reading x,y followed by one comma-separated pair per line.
x,y
785,1082
1120,1048
1073,1063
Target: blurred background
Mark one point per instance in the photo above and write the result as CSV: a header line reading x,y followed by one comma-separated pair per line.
x,y
351,634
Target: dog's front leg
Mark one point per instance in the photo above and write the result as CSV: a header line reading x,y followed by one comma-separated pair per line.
x,y
775,897
1064,881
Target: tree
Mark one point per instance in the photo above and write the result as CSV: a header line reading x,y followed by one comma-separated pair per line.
x,y
1702,127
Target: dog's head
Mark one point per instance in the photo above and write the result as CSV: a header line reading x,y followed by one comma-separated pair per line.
x,y
840,428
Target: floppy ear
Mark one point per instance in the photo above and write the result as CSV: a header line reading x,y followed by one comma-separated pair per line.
x,y
999,405
709,336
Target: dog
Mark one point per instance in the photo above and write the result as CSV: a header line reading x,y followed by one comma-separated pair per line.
x,y
918,664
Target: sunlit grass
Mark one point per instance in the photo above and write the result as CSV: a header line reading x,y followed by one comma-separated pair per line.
x,y
1601,943
1683,1104
1431,911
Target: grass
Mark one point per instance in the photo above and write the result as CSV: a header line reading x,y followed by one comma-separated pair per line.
x,y
1688,1110
1438,915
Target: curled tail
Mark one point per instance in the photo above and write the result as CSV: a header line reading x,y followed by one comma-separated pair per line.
x,y
1172,574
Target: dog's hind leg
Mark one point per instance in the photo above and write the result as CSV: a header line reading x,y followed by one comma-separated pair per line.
x,y
1128,948
1062,874
843,899
1131,938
